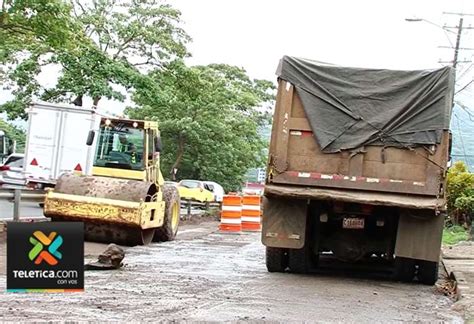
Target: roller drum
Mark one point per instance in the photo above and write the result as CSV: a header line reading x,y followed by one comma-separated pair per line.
x,y
105,230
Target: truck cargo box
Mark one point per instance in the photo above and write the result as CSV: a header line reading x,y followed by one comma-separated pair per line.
x,y
56,142
361,129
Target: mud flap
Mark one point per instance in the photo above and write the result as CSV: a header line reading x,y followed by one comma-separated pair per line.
x,y
419,235
284,222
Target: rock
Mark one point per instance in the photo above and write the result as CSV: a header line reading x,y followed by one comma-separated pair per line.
x,y
110,259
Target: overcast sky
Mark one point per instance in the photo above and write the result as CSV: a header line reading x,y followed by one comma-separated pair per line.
x,y
255,34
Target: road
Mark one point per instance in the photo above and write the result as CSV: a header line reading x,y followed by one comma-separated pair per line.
x,y
206,275
28,209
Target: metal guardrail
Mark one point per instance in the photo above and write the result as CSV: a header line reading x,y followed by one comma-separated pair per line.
x,y
189,204
17,194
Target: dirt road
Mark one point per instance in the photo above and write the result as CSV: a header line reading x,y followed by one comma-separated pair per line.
x,y
205,276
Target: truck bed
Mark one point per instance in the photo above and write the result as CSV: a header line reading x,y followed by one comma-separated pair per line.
x,y
296,158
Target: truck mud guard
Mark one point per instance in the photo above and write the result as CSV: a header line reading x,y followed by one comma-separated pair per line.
x,y
284,222
419,235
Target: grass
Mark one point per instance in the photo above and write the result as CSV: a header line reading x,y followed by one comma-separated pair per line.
x,y
454,234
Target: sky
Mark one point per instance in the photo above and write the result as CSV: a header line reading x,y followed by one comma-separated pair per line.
x,y
255,34
371,34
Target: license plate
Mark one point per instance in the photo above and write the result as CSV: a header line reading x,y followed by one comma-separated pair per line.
x,y
353,223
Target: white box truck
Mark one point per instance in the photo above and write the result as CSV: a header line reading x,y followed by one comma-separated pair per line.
x,y
56,142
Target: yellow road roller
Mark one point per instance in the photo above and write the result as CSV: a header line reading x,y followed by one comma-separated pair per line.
x,y
124,200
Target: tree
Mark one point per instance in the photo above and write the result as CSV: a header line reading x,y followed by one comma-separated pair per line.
x,y
29,31
208,119
460,192
120,40
14,133
32,23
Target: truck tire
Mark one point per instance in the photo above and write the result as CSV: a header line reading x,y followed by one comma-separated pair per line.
x,y
404,269
428,272
300,260
276,259
168,231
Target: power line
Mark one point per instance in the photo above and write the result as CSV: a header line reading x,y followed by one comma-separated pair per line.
x,y
467,85
460,29
466,109
466,69
457,13
460,135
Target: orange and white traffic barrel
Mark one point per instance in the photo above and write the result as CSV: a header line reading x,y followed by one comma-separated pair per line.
x,y
251,213
231,214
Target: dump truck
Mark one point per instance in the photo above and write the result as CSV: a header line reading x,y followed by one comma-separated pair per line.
x,y
357,168
124,200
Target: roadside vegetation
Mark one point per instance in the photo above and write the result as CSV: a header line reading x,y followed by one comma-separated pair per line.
x,y
460,203
135,50
454,234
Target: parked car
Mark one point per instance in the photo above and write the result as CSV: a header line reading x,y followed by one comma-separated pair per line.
x,y
11,172
216,189
171,183
195,190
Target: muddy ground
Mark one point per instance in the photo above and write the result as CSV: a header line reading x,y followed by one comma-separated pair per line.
x,y
209,276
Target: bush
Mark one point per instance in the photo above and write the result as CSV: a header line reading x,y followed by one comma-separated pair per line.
x,y
460,194
454,234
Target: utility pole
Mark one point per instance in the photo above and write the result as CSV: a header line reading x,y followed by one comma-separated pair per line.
x,y
460,29
458,41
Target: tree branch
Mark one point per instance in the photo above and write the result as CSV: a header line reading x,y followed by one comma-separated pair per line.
x,y
17,28
80,5
179,157
125,45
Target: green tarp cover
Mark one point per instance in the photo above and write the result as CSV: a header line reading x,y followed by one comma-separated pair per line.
x,y
348,108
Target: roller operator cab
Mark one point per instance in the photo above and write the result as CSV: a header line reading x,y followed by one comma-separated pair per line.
x,y
125,200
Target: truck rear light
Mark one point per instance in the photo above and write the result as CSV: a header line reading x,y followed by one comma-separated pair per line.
x,y
4,168
380,222
323,218
366,209
338,207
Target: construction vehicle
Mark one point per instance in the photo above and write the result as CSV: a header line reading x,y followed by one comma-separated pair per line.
x,y
357,169
124,200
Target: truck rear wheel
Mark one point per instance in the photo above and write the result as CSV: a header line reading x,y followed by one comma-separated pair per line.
x,y
300,260
404,269
428,272
276,259
168,231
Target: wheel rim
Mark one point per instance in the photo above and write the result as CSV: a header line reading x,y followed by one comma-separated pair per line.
x,y
175,216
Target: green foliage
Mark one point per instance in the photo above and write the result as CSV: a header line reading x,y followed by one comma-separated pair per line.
x,y
208,120
31,30
116,43
209,115
14,133
460,191
26,24
454,234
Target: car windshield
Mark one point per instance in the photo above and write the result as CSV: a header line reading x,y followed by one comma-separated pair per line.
x,y
120,146
189,184
15,162
13,159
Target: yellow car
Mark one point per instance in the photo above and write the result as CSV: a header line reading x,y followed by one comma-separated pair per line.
x,y
195,190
